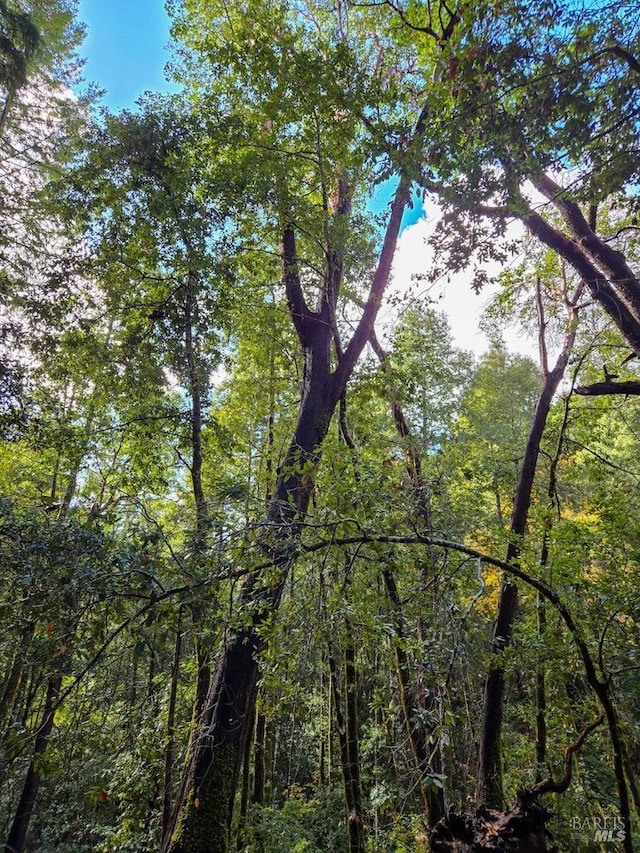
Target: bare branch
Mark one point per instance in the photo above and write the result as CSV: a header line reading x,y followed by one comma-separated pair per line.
x,y
549,786
600,389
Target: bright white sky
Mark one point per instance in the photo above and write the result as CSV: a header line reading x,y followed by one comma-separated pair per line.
x,y
454,298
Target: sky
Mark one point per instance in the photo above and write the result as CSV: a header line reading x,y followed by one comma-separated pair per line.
x,y
125,48
454,296
126,53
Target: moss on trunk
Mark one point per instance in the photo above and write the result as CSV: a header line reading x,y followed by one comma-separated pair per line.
x,y
204,822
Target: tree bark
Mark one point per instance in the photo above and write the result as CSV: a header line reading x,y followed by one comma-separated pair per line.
x,y
600,389
170,746
259,749
13,678
605,272
541,696
246,787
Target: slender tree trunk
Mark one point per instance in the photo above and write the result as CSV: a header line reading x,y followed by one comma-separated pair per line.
x,y
602,688
632,776
541,698
356,825
271,416
14,676
273,753
413,460
603,692
259,753
329,732
245,795
195,393
432,800
170,747
198,611
152,687
322,754
24,811
489,788
345,708
203,667
132,692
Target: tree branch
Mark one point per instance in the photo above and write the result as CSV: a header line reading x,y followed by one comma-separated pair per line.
x,y
600,389
381,276
298,308
378,285
621,53
549,786
598,285
612,263
510,568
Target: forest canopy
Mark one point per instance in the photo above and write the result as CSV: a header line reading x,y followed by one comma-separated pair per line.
x,y
284,568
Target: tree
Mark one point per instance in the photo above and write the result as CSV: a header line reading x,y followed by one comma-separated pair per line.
x,y
316,161
54,564
206,426
39,120
489,769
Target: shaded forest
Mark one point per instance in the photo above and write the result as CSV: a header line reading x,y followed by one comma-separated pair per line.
x,y
283,568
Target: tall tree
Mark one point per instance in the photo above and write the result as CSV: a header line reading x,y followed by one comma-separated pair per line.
x,y
309,92
490,760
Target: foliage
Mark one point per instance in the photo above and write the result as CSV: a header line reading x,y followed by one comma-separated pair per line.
x,y
154,365
304,823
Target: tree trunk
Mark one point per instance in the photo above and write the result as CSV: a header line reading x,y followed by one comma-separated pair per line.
x,y
432,800
246,787
209,786
170,747
24,811
14,676
345,707
541,697
203,667
489,788
259,759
